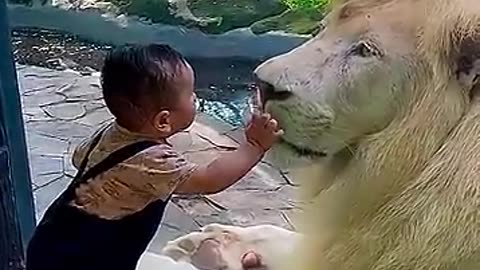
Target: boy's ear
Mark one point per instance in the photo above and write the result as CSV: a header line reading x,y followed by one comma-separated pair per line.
x,y
162,121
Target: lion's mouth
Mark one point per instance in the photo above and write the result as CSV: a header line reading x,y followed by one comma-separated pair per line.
x,y
303,151
264,92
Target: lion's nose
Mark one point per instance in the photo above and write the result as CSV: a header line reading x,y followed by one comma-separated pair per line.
x,y
269,92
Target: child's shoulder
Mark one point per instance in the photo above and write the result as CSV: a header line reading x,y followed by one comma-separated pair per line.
x,y
111,137
81,149
161,156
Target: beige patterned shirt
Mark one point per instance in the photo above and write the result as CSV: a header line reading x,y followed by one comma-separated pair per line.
x,y
131,185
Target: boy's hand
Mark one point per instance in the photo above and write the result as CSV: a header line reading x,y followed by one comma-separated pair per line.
x,y
263,131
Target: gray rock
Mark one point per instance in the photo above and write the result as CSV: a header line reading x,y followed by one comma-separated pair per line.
x,y
42,99
61,129
253,199
44,196
201,210
83,90
45,144
45,168
250,217
32,114
216,124
175,223
66,111
96,118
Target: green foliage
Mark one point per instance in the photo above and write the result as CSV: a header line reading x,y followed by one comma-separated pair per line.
x,y
219,16
291,21
301,17
156,10
234,13
306,4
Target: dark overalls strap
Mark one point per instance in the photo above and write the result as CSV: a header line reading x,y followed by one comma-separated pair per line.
x,y
106,164
92,146
81,177
50,213
68,238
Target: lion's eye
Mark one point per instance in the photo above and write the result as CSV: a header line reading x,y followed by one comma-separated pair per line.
x,y
476,79
365,49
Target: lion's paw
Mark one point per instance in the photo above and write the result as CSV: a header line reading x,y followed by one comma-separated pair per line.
x,y
202,249
184,247
219,246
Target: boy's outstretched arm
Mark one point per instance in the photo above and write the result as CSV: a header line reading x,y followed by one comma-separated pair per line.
x,y
261,133
222,172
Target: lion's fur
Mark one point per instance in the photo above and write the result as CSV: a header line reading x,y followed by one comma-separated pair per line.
x,y
409,197
405,195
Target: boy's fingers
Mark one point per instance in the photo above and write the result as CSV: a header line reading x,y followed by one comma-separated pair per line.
x,y
266,117
272,124
251,260
279,133
254,119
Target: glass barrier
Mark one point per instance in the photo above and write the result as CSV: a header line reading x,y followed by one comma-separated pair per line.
x,y
223,39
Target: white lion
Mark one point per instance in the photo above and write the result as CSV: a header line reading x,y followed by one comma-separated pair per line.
x,y
385,100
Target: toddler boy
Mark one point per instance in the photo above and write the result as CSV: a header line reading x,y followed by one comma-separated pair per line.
x,y
127,171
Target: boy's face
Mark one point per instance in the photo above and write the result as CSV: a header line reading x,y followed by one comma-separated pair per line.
x,y
182,114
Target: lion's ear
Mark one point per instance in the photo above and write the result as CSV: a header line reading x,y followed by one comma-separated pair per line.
x,y
468,62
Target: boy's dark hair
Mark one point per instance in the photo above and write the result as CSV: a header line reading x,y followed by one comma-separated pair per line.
x,y
138,77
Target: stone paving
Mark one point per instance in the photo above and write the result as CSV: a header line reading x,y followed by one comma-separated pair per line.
x,y
63,107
